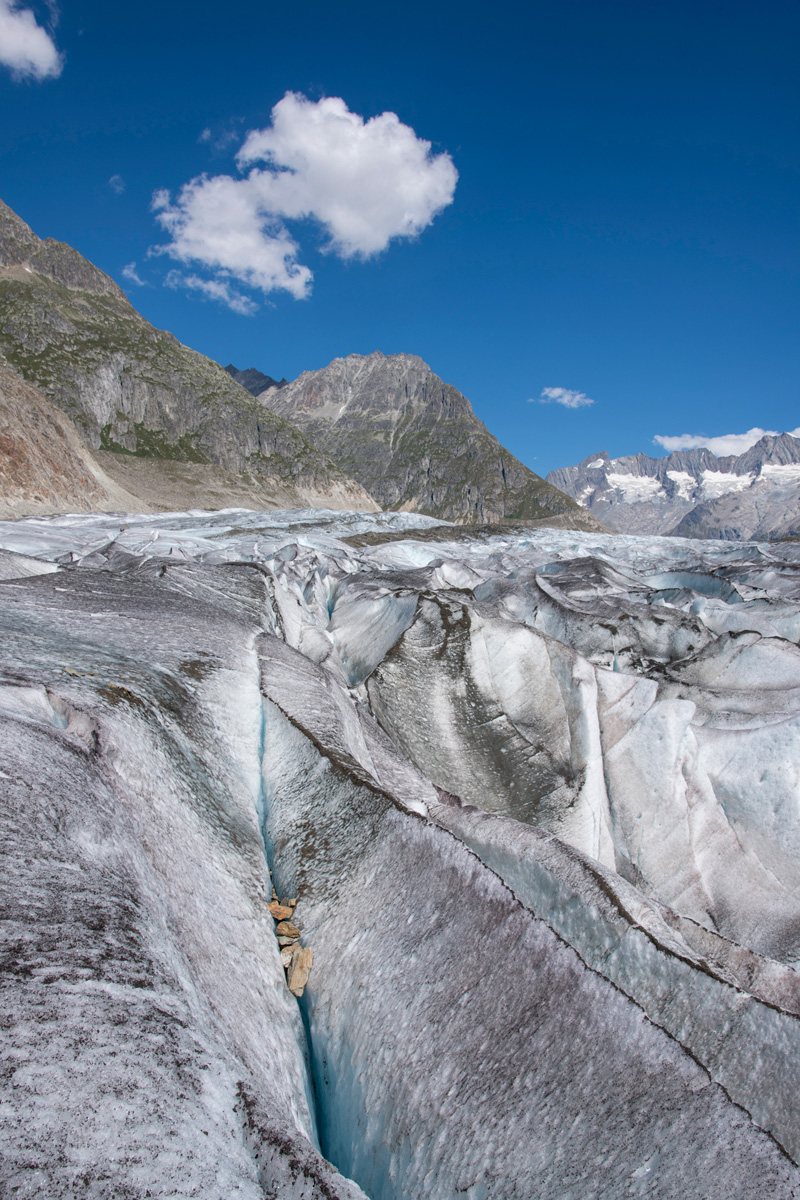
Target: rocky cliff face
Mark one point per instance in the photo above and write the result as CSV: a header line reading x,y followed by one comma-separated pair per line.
x,y
135,391
44,466
413,441
692,493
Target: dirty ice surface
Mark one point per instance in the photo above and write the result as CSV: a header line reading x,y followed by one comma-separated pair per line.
x,y
537,794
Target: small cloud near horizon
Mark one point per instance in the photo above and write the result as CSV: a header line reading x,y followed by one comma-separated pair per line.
x,y
566,397
117,184
26,48
130,273
722,445
364,182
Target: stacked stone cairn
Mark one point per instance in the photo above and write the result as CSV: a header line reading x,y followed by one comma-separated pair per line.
x,y
296,959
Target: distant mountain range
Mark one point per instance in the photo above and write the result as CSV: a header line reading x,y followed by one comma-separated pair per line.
x,y
158,426
692,493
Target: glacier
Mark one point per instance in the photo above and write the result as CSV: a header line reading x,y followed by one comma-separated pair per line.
x,y
536,794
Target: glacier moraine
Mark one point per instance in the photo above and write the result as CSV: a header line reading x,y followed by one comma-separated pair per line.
x,y
536,794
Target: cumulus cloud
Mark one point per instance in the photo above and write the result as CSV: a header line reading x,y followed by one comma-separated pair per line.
x,y
130,273
215,289
364,182
117,184
566,397
722,445
25,47
217,222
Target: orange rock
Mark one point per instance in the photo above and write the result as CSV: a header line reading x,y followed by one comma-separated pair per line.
x,y
302,960
287,929
279,912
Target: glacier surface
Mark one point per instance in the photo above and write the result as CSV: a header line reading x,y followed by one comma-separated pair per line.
x,y
537,794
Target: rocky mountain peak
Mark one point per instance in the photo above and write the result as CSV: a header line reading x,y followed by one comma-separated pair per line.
x,y
17,240
375,387
781,450
20,247
255,382
412,440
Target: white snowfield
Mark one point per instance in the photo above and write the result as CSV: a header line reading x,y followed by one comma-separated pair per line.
x,y
638,489
721,483
635,488
537,794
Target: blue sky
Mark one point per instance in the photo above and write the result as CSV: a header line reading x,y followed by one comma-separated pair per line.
x,y
623,226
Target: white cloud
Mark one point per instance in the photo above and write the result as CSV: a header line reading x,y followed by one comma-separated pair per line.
x,y
217,221
364,182
722,445
563,396
215,289
117,184
130,273
25,47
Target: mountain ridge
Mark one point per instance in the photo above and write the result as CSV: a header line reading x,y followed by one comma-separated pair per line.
x,y
693,493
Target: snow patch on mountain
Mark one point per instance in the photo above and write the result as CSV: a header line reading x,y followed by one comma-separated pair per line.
x,y
693,493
